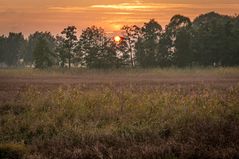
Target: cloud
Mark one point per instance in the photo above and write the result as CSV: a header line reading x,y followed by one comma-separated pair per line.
x,y
67,9
109,14
140,6
118,13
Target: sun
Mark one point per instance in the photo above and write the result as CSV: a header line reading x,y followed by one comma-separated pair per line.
x,y
117,39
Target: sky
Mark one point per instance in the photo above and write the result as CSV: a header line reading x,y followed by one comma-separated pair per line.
x,y
28,16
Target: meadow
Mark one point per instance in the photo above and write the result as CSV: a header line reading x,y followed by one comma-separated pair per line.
x,y
171,113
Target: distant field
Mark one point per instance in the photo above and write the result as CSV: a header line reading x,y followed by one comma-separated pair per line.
x,y
14,80
141,113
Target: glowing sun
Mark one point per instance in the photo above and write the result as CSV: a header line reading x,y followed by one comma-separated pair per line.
x,y
117,39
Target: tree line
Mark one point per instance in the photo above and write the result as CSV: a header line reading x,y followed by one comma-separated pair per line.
x,y
210,39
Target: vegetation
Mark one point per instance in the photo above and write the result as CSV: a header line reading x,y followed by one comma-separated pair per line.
x,y
210,39
12,48
101,113
42,54
135,74
121,119
96,50
33,39
69,43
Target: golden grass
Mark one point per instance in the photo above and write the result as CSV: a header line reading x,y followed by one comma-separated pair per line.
x,y
66,123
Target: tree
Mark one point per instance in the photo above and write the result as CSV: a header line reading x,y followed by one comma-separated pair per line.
x,y
211,39
131,34
70,42
122,53
165,56
233,42
147,50
96,50
32,42
42,54
61,51
15,48
178,32
2,48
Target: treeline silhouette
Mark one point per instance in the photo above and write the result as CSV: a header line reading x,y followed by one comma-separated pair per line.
x,y
210,40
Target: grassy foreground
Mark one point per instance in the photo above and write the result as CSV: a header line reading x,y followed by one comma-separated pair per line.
x,y
121,123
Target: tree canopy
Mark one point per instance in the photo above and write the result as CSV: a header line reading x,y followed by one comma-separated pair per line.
x,y
42,55
96,49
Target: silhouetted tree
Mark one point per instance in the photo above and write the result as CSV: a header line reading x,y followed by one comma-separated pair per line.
x,y
178,32
32,42
165,56
61,51
14,48
123,54
131,35
2,48
210,38
70,42
42,54
96,50
147,50
233,47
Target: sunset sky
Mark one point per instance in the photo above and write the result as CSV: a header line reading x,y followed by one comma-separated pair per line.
x,y
28,16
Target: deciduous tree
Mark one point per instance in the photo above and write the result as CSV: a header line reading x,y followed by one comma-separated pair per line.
x,y
32,42
70,42
15,48
131,35
147,50
96,49
42,54
178,32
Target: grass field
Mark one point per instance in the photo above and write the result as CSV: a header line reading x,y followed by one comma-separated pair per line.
x,y
122,114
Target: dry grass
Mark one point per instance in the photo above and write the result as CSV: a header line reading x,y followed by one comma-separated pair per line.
x,y
127,121
165,72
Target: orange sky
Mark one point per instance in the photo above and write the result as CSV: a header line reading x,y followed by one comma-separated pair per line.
x,y
28,16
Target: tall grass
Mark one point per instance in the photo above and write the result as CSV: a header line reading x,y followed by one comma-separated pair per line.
x,y
71,123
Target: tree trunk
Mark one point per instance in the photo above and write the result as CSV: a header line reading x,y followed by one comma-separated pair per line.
x,y
131,59
69,60
131,54
69,63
